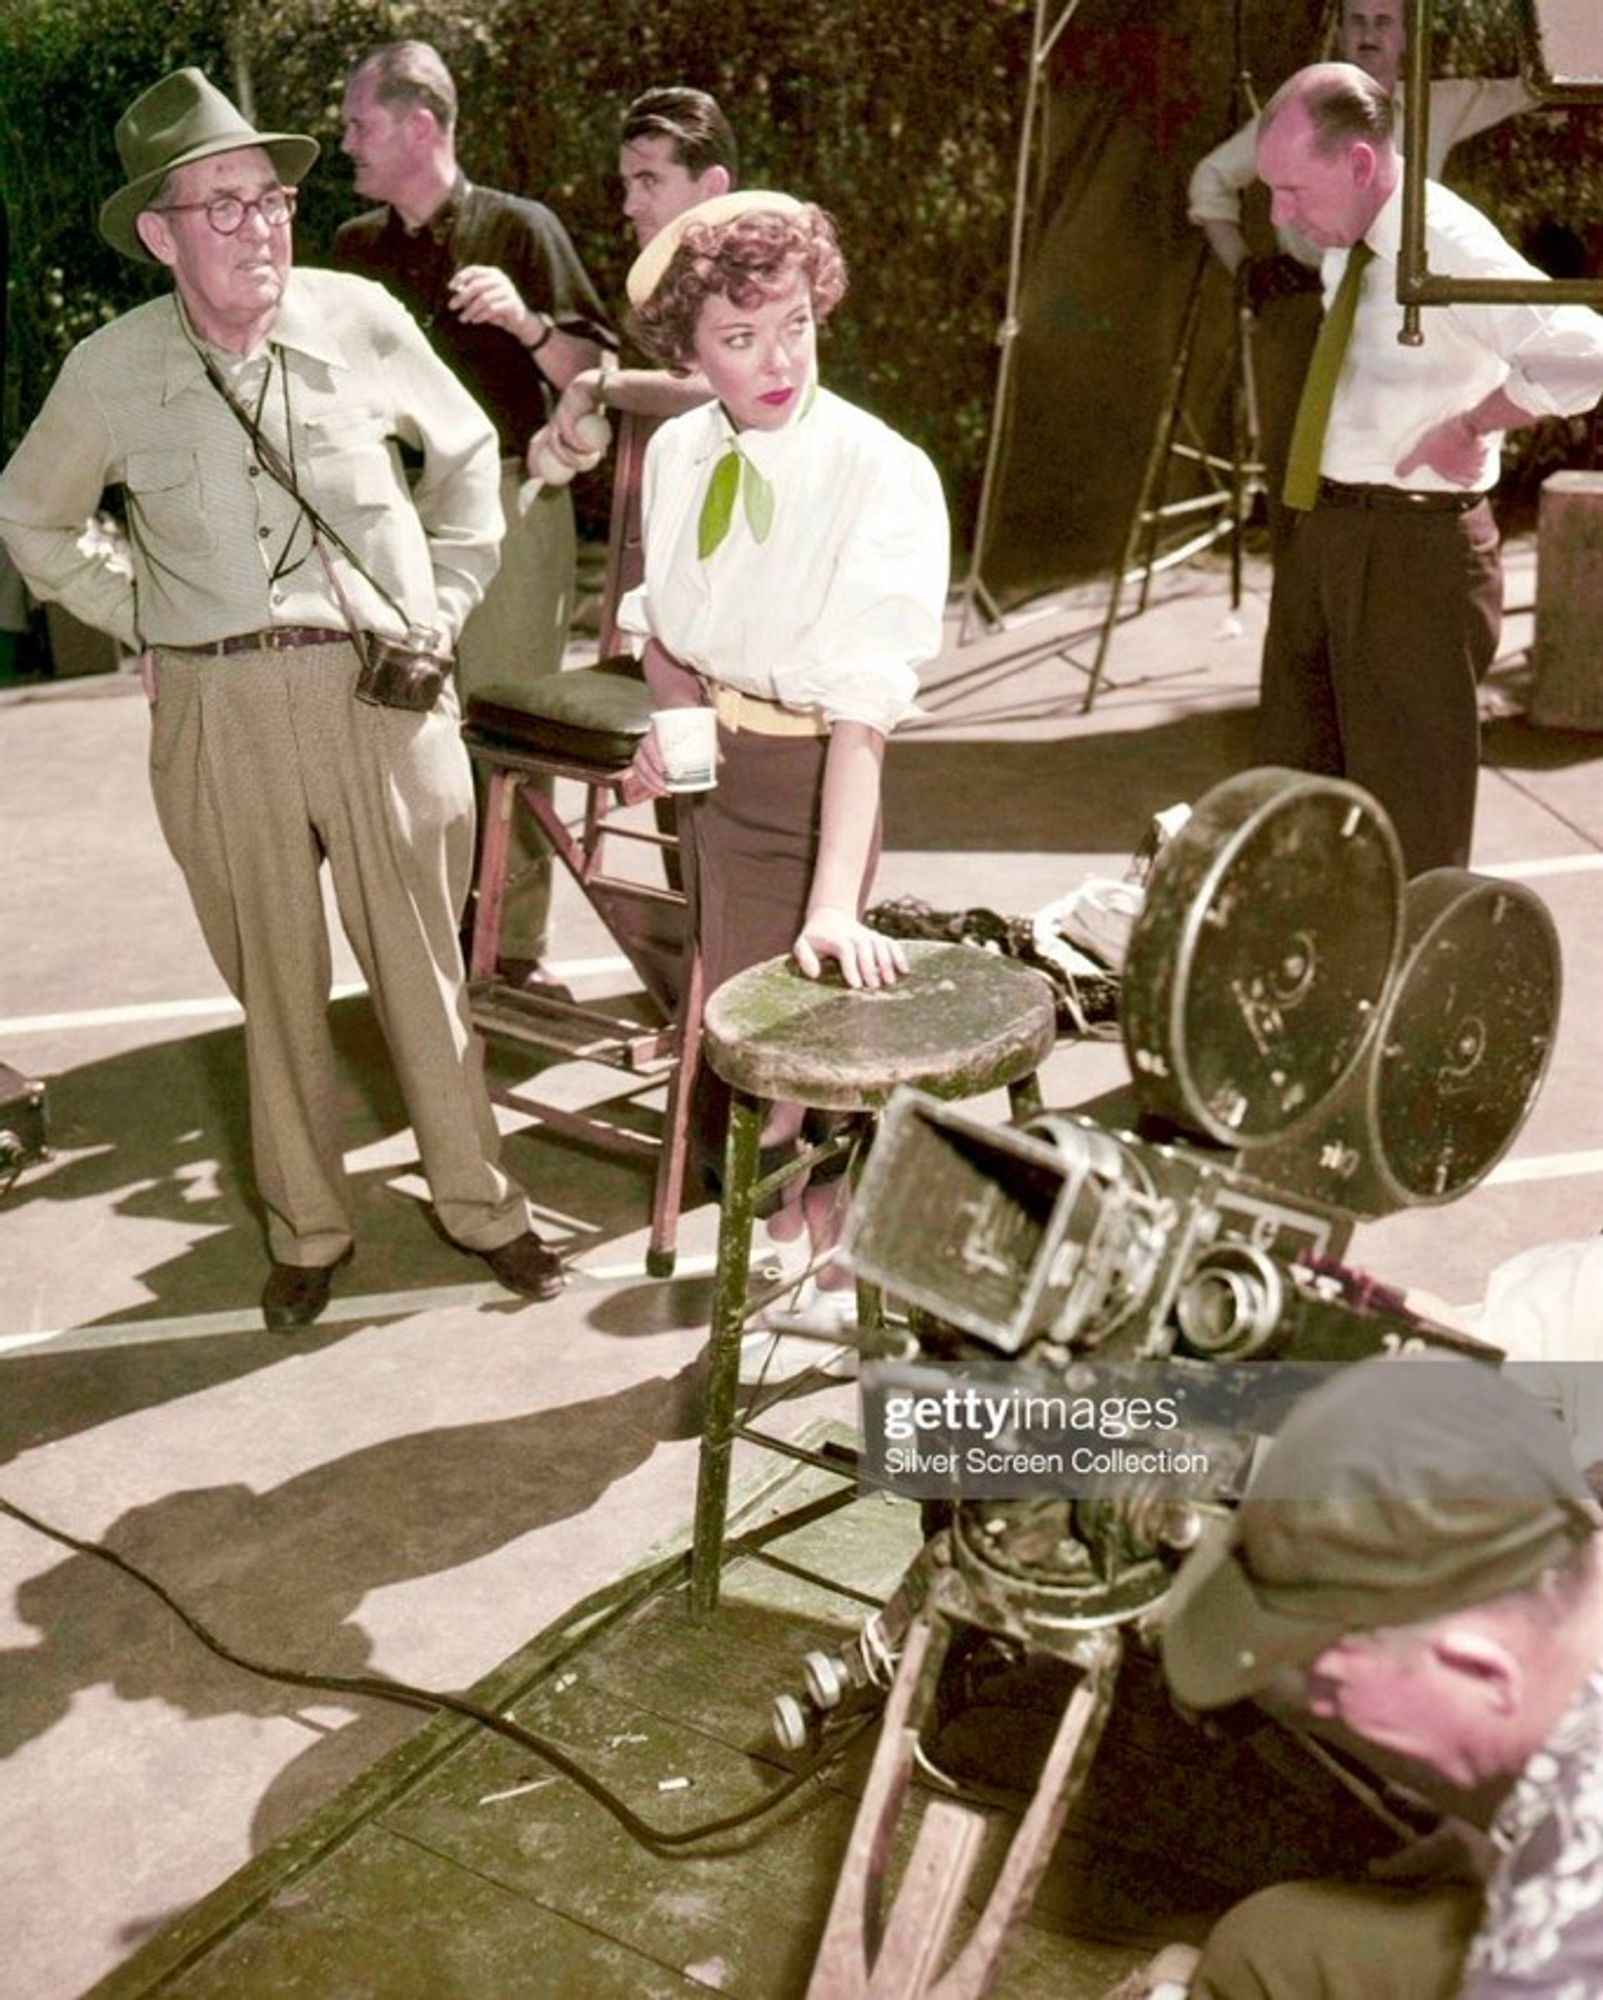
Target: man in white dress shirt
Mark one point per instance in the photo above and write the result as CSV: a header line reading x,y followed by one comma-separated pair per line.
x,y
1388,591
1282,286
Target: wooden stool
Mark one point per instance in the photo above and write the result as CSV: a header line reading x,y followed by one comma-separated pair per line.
x,y
961,1022
585,725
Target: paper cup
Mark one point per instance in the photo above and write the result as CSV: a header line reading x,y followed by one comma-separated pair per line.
x,y
688,741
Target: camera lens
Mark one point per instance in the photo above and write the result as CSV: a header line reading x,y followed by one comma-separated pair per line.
x,y
1230,1301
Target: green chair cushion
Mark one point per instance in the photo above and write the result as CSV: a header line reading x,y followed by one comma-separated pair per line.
x,y
592,715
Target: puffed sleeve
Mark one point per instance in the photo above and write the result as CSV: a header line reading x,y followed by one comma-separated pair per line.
x,y
881,617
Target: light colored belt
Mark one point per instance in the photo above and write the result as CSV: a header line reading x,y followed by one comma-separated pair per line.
x,y
738,710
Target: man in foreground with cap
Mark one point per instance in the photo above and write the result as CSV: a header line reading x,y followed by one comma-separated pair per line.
x,y
297,603
1415,1565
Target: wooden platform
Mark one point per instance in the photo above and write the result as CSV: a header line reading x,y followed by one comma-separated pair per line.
x,y
463,1868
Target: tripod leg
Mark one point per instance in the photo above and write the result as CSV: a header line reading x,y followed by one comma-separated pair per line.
x,y
867,1956
1246,448
1140,535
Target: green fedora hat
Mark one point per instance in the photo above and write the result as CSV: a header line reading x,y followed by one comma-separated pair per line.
x,y
184,117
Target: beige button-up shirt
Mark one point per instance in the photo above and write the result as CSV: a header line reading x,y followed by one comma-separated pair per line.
x,y
218,547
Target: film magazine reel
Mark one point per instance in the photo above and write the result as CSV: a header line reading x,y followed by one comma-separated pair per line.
x,y
1367,1043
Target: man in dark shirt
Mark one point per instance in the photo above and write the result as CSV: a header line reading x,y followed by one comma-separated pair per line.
x,y
498,289
675,149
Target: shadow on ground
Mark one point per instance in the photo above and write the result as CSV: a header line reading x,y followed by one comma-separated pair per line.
x,y
1091,794
280,1575
160,1134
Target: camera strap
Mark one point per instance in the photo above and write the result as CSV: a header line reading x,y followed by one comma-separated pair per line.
x,y
273,462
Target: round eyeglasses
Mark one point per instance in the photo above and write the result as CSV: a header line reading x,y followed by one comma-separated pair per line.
x,y
226,212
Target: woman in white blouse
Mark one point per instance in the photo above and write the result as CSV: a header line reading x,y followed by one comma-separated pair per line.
x,y
796,554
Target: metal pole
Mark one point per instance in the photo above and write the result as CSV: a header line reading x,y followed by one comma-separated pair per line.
x,y
1041,43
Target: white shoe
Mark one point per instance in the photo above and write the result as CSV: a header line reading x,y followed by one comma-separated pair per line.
x,y
809,1309
1166,1977
768,1358
809,1331
776,1263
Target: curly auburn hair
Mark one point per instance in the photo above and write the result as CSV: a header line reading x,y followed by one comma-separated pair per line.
x,y
748,261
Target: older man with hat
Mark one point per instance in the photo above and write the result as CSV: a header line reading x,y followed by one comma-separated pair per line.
x,y
298,602
1415,1567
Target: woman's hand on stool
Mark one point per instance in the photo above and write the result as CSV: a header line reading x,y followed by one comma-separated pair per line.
x,y
864,956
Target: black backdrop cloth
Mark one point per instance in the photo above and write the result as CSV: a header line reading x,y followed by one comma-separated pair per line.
x,y
1135,93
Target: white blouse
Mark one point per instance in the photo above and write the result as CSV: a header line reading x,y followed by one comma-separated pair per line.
x,y
841,602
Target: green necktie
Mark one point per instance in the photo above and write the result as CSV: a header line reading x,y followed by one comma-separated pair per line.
x,y
730,475
1319,391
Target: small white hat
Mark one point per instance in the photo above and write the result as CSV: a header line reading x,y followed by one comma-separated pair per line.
x,y
646,272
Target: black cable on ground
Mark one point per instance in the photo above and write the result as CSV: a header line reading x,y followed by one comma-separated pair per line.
x,y
380,1687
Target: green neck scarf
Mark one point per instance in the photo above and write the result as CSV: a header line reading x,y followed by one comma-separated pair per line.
x,y
733,475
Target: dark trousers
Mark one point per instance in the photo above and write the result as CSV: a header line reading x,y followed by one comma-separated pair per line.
x,y
1340,1941
1381,624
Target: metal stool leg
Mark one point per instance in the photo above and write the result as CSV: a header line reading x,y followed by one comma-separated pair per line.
x,y
668,1192
723,1350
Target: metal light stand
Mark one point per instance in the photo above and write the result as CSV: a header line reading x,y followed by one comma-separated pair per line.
x,y
1233,482
1043,39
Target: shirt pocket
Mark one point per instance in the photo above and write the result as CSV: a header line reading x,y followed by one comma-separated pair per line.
x,y
351,460
166,502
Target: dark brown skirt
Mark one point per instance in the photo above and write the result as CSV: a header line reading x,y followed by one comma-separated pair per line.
x,y
755,839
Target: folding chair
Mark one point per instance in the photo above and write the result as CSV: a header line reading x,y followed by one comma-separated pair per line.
x,y
585,725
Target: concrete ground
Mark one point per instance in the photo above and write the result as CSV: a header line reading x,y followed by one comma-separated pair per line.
x,y
436,1473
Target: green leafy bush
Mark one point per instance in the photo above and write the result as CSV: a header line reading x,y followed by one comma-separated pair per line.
x,y
902,121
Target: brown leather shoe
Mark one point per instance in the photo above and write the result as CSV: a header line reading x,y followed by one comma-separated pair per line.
x,y
295,1294
526,1266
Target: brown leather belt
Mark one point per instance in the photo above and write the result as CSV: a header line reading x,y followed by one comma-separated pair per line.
x,y
1336,493
276,639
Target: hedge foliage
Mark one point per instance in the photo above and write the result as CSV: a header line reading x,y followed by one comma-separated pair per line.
x,y
902,118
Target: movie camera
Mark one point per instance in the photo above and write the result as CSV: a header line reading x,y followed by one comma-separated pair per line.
x,y
1310,1041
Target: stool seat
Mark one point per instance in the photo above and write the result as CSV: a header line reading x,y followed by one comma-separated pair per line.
x,y
960,1022
593,715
